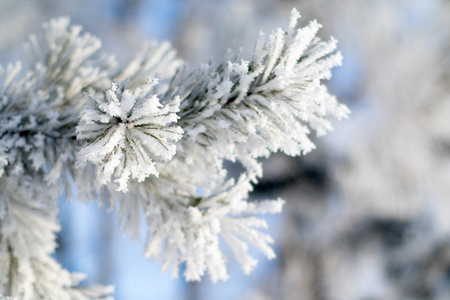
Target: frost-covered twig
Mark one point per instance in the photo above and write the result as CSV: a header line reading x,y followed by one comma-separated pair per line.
x,y
240,111
27,227
164,144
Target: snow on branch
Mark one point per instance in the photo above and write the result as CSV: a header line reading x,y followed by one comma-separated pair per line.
x,y
27,239
237,110
39,107
39,110
67,63
247,109
163,144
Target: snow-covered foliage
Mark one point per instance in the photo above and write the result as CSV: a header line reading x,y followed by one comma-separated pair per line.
x,y
124,128
163,142
27,226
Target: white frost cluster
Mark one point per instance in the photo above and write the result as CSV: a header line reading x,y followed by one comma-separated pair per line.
x,y
126,129
244,110
190,233
181,130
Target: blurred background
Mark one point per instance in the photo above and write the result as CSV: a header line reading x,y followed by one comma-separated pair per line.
x,y
367,213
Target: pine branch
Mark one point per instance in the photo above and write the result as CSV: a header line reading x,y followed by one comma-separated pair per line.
x,y
169,138
239,111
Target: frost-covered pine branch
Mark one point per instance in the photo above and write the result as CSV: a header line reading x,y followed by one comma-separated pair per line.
x,y
28,225
151,137
38,115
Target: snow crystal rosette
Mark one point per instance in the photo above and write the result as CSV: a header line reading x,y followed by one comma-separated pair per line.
x,y
127,131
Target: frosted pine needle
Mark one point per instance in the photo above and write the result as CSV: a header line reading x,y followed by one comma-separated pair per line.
x,y
128,130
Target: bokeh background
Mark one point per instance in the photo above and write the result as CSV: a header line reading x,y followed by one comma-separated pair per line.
x,y
367,213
